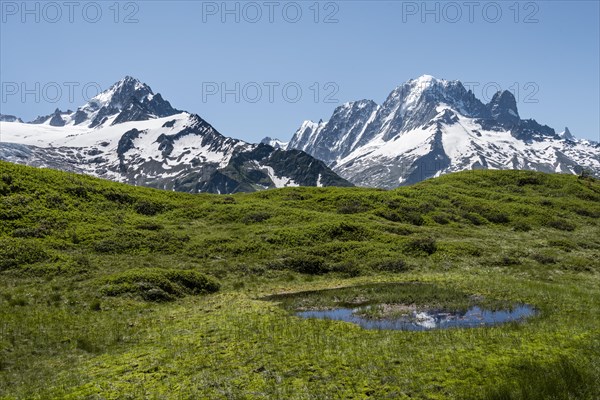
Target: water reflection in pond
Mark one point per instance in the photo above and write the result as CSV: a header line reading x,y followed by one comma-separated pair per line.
x,y
426,320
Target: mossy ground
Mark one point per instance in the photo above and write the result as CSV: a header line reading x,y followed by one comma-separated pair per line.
x,y
520,237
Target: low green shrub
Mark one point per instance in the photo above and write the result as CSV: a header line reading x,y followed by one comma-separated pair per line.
x,y
148,208
352,206
256,217
587,212
579,264
7,179
398,229
563,244
154,284
166,242
495,216
521,226
460,249
544,258
80,263
409,217
118,196
529,180
389,265
474,218
343,231
17,301
31,232
347,268
420,246
56,201
96,305
80,191
16,253
507,260
306,264
149,226
561,224
442,218
120,242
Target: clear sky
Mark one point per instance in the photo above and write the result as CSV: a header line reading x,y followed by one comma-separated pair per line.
x,y
189,51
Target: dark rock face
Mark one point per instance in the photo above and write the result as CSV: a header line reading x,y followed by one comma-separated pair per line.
x,y
126,142
10,118
530,129
41,119
134,112
79,117
503,109
430,164
56,119
301,168
102,116
145,110
337,137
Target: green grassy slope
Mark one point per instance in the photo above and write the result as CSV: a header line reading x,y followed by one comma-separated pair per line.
x,y
112,291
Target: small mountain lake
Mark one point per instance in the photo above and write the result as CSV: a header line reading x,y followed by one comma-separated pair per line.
x,y
425,320
410,306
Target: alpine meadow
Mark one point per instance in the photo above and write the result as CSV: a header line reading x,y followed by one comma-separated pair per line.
x,y
114,291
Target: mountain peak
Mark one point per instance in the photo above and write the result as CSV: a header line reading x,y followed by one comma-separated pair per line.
x,y
129,78
274,142
419,85
121,92
503,108
566,134
131,83
128,81
426,80
130,98
415,103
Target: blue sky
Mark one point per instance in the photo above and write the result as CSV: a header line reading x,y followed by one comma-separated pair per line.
x,y
546,52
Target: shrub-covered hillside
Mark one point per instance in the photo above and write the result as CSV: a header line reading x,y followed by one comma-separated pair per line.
x,y
113,291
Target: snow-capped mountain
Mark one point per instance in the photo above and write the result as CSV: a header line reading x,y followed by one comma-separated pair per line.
x,y
427,127
126,100
276,143
129,134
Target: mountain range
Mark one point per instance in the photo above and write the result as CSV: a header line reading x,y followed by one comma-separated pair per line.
x,y
428,127
129,134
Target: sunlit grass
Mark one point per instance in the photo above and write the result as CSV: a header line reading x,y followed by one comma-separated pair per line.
x,y
506,236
